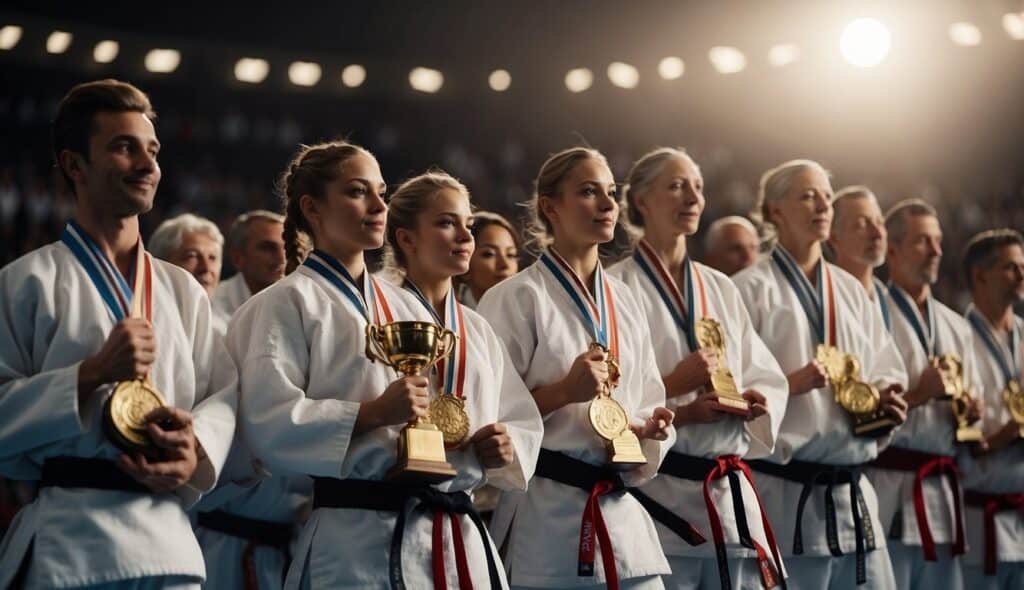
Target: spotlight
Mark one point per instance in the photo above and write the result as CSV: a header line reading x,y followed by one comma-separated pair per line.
x,y
162,61
105,52
304,73
252,70
623,75
965,34
353,75
9,36
58,42
579,79
426,80
499,80
783,54
727,60
671,68
865,42
1013,23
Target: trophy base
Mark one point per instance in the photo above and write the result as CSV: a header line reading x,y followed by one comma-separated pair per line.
x,y
732,405
873,426
624,452
421,457
968,434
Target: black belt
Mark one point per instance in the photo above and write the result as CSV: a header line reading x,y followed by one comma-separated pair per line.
x,y
79,472
277,535
378,495
582,475
812,474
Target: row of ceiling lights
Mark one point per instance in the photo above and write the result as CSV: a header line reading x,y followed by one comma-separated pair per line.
x,y
864,43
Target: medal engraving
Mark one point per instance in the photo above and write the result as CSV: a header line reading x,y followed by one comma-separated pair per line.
x,y
125,414
448,412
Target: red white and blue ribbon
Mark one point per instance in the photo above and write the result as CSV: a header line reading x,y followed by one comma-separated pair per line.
x,y
818,301
118,293
684,311
368,296
598,310
452,370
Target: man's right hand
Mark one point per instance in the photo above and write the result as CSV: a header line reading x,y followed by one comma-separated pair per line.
x,y
402,402
930,386
127,354
807,378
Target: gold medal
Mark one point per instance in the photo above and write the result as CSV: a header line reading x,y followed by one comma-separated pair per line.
x,y
607,417
1013,397
857,397
448,413
125,414
833,361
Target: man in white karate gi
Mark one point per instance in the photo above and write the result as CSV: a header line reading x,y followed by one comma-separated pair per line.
x,y
858,241
256,250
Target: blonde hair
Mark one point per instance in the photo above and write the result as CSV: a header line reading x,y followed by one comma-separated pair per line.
x,y
775,185
538,228
642,176
405,206
308,173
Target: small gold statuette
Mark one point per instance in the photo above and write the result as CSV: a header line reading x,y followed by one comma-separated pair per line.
x,y
609,420
711,337
951,369
408,347
861,400
124,416
448,412
1013,397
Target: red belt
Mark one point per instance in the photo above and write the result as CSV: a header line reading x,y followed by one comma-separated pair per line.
x,y
925,465
992,504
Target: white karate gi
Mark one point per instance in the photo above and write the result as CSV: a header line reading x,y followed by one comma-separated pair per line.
x,y
929,428
1001,472
752,367
816,428
230,295
544,333
301,346
53,318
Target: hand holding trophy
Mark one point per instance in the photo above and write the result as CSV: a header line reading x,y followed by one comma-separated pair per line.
x,y
711,337
861,400
609,420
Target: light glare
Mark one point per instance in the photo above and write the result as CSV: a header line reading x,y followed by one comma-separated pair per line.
x,y
865,42
162,61
727,60
304,73
499,80
671,68
9,37
252,70
965,34
105,51
58,42
579,79
353,75
783,54
1013,23
426,80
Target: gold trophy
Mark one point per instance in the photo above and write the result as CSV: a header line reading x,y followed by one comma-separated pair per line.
x,y
711,337
951,369
609,420
1013,397
408,347
861,400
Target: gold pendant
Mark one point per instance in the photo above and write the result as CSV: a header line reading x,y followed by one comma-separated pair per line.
x,y
607,417
448,412
125,411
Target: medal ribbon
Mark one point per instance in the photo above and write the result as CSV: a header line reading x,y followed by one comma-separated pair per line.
x,y
883,304
599,315
363,299
1010,368
113,288
819,304
452,370
925,330
683,311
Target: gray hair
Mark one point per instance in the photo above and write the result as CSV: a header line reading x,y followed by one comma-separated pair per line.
x,y
239,232
168,236
642,175
896,217
715,229
775,185
857,191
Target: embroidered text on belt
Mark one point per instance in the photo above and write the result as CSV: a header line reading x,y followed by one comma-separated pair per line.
x,y
993,504
379,495
813,474
924,465
597,482
709,470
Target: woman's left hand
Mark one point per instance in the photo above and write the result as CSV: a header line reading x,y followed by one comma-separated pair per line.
x,y
657,426
493,446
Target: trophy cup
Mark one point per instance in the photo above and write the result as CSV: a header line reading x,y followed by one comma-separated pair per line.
x,y
408,347
861,400
609,420
124,416
711,337
1013,397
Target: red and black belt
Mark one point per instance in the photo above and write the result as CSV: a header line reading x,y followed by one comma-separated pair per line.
x,y
378,495
256,533
993,504
728,466
925,465
820,474
601,481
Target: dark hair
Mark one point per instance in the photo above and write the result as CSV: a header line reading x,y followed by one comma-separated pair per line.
x,y
74,123
981,250
896,217
485,219
311,169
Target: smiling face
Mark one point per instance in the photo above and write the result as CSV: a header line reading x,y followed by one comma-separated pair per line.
x,y
804,214
441,244
119,174
351,214
200,255
585,210
673,203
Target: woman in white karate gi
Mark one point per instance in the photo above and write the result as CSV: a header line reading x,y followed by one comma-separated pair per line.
x,y
828,530
664,201
314,403
495,259
80,315
548,316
